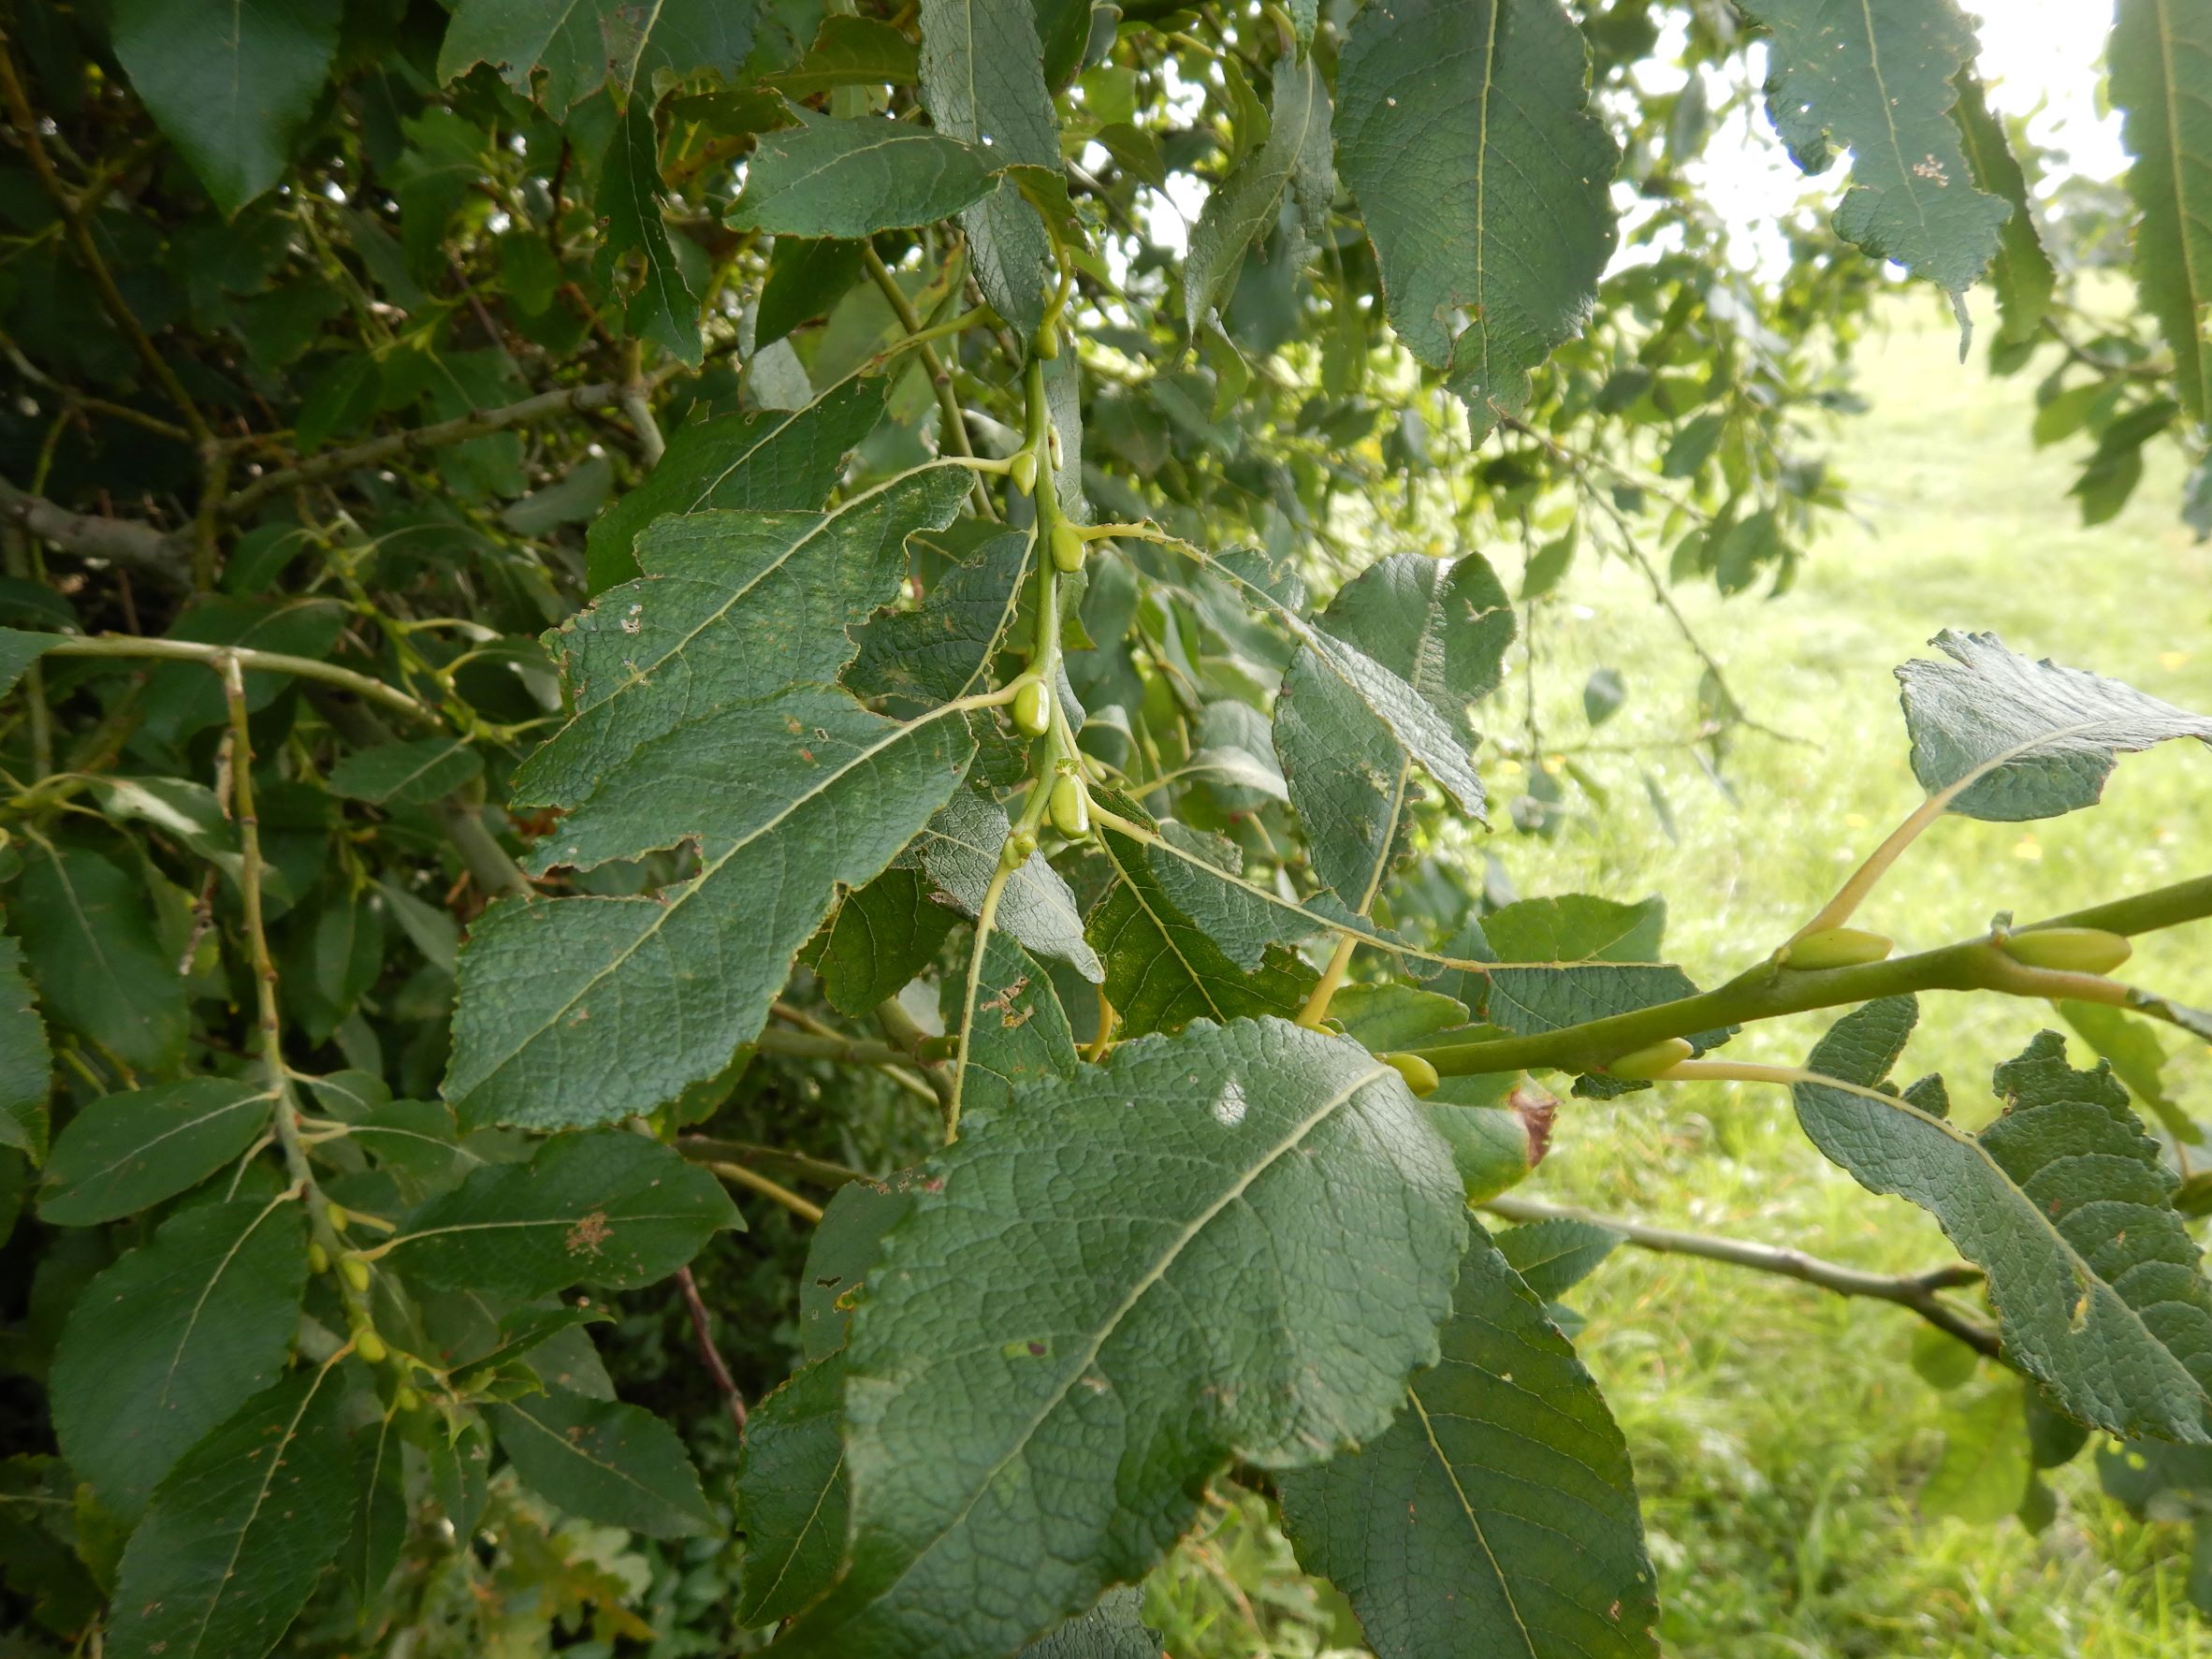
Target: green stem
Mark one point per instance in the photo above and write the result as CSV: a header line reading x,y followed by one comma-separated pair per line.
x,y
955,434
1767,993
186,650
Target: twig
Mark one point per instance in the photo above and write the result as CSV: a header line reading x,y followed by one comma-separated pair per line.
x,y
712,1149
128,542
1916,1292
371,452
709,1355
949,417
186,650
775,1191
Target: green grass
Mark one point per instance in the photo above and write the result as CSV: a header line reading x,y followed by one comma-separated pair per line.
x,y
1780,1434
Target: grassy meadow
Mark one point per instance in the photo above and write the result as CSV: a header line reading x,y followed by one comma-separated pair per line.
x,y
1780,1435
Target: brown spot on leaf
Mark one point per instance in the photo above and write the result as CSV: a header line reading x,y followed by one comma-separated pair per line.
x,y
590,1232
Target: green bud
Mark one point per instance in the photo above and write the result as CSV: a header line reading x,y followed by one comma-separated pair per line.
x,y
1420,1077
1023,471
2072,950
1033,708
1066,549
1070,806
336,1217
370,1345
1644,1065
406,1399
1836,946
1018,848
1047,343
318,1258
355,1271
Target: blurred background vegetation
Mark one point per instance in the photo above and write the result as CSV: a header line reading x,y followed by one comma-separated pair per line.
x,y
1783,1435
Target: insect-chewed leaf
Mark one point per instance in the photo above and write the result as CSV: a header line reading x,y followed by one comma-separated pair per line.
x,y
842,1254
1876,80
2160,56
608,1209
1482,180
1114,1629
735,606
2062,1201
1440,628
1498,1514
767,459
239,1532
26,1058
1066,1336
1244,207
851,179
1020,1036
1163,970
2020,739
959,850
125,1152
586,1010
793,1504
604,1461
162,1346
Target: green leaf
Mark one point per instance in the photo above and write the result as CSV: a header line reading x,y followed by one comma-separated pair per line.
x,y
407,774
1163,970
1877,81
2022,272
664,310
1576,927
230,92
651,654
959,850
851,179
806,278
240,1530
1068,1335
793,1497
19,650
2020,739
605,1462
610,1209
1982,1473
851,52
522,1332
566,52
162,1346
586,1010
1498,1514
127,1151
768,458
982,81
1439,630
1114,1629
2160,59
379,1510
26,1059
2062,1201
1244,207
89,933
942,648
883,936
1552,1257
1484,190
1020,1037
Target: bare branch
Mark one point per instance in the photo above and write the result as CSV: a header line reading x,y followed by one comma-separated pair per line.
x,y
128,542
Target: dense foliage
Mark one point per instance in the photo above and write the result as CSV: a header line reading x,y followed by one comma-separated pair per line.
x,y
613,606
